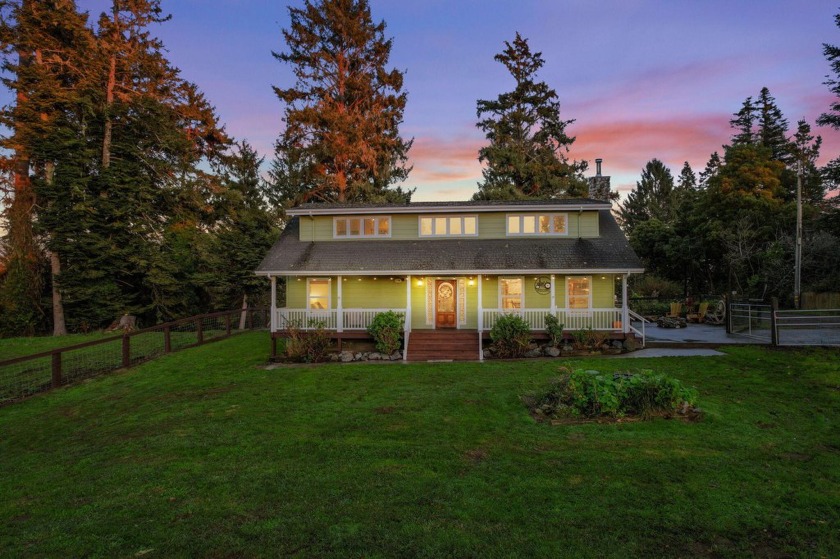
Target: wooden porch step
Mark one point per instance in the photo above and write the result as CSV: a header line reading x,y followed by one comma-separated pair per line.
x,y
443,345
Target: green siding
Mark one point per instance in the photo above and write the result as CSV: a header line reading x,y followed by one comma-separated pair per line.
x,y
368,293
406,227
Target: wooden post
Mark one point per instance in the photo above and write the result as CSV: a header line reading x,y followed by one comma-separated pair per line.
x,y
273,347
227,325
625,306
273,308
199,332
167,340
126,351
339,318
56,369
774,327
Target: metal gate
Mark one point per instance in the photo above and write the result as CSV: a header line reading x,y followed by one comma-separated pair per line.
x,y
751,320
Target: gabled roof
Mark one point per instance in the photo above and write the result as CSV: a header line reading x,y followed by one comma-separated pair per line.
x,y
608,253
562,204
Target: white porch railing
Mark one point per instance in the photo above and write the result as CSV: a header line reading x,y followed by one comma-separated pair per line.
x,y
351,319
577,319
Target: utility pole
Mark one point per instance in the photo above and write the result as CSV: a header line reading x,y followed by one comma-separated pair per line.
x,y
797,278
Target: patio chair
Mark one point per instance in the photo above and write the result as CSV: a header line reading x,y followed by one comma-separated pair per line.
x,y
718,316
698,316
676,310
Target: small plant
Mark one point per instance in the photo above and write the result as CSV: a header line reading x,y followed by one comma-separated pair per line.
x,y
554,330
592,394
387,331
588,339
511,336
307,346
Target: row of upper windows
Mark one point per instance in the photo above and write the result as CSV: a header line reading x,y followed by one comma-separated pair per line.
x,y
451,226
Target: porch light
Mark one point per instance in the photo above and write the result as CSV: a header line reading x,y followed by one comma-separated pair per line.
x,y
360,279
375,278
471,283
419,283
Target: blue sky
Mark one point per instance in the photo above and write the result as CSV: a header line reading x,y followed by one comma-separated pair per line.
x,y
642,78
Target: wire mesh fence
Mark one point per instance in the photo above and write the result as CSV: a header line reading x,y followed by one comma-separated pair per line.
x,y
27,375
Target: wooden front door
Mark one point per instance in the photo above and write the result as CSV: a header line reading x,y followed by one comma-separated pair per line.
x,y
446,293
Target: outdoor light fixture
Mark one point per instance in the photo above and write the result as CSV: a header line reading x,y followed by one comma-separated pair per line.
x,y
419,283
471,283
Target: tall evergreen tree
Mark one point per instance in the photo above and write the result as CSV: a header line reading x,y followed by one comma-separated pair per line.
x,y
687,179
653,197
341,142
526,157
744,123
772,127
832,117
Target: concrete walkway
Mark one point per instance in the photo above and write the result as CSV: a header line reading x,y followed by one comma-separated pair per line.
x,y
695,334
669,352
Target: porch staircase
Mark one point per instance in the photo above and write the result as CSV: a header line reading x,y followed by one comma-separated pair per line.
x,y
443,345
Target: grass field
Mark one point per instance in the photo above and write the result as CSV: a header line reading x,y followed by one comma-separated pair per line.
x,y
203,453
18,347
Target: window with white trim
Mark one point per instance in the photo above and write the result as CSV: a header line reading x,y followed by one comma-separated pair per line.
x,y
449,226
318,294
510,293
579,292
538,224
361,226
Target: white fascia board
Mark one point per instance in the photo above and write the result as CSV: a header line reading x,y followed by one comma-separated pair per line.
x,y
447,209
565,272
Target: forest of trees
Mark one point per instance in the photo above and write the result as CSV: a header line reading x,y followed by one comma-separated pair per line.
x,y
123,193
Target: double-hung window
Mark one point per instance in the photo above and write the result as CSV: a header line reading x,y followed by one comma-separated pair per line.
x,y
510,294
318,294
579,292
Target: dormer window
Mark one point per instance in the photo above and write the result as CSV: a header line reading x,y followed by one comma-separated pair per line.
x,y
537,224
449,226
373,226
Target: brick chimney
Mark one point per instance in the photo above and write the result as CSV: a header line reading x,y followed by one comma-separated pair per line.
x,y
599,186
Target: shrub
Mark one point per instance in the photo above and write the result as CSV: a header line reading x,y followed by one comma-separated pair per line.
x,y
511,336
387,331
308,346
554,329
588,339
595,394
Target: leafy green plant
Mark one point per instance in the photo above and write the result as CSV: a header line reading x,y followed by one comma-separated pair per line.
x,y
387,331
590,394
554,329
511,336
307,346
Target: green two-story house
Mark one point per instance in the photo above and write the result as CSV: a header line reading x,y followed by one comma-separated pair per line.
x,y
452,268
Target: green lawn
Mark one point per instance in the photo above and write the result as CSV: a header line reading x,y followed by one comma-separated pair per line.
x,y
203,453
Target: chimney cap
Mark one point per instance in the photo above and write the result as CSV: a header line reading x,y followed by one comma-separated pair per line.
x,y
598,166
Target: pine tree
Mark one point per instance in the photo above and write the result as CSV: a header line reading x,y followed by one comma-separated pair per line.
x,y
653,198
341,142
744,123
687,179
831,118
772,127
526,157
711,170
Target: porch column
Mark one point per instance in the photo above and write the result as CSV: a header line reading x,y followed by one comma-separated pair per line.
x,y
553,298
339,318
408,304
625,315
407,325
480,321
273,303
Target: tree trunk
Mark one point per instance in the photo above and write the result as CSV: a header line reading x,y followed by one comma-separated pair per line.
x,y
244,314
109,101
59,327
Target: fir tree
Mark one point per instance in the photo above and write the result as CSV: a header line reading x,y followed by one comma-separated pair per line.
x,y
744,123
772,127
341,141
653,198
526,157
687,179
831,118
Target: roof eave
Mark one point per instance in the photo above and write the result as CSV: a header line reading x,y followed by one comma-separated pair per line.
x,y
311,212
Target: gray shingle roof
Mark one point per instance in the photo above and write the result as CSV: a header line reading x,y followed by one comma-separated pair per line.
x,y
610,251
472,203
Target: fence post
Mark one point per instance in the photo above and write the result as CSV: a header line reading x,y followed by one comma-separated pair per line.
x,y
126,351
167,340
56,369
274,346
227,325
774,326
727,303
199,332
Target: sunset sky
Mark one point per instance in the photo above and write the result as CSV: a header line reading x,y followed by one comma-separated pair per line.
x,y
642,79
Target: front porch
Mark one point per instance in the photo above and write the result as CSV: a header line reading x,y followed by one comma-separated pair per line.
x,y
452,303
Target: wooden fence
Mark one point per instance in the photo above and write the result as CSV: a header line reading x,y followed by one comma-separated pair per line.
x,y
811,300
30,374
